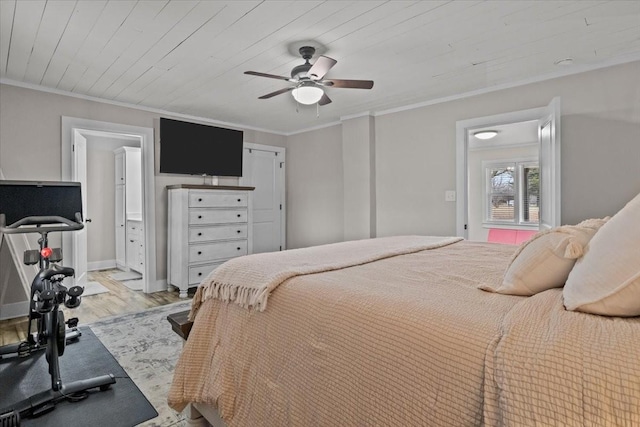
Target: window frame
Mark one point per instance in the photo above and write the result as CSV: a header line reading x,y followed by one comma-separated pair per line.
x,y
519,164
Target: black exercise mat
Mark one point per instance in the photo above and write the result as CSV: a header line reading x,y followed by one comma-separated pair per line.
x,y
122,405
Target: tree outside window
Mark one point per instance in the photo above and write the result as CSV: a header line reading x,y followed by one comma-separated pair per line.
x,y
513,192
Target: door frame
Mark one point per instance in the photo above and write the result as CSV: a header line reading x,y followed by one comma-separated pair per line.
x,y
147,143
463,127
281,153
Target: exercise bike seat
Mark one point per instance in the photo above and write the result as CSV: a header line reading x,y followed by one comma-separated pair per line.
x,y
56,270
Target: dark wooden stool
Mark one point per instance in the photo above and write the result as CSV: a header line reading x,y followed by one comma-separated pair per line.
x,y
180,323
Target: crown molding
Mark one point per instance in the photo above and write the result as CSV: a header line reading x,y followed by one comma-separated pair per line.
x,y
355,116
135,106
326,125
564,72
571,70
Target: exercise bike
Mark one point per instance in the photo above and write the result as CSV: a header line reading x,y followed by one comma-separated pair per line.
x,y
45,207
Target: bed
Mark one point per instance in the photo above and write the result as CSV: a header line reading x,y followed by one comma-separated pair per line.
x,y
397,332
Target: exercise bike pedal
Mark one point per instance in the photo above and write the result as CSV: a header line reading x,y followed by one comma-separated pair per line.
x,y
45,301
72,322
73,294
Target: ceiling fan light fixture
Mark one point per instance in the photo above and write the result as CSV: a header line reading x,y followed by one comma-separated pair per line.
x,y
485,134
307,94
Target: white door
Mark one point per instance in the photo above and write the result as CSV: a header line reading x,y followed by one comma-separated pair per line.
x,y
263,168
79,174
549,139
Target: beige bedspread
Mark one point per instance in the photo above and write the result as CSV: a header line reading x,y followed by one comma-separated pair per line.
x,y
404,341
249,280
554,367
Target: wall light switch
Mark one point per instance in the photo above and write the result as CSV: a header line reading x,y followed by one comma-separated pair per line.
x,y
449,196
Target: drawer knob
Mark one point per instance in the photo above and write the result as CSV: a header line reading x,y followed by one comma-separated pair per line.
x,y
199,216
131,241
239,215
199,252
199,200
239,231
238,248
199,234
239,200
199,274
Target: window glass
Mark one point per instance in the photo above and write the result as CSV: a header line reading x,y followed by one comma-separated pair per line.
x,y
502,194
513,192
530,194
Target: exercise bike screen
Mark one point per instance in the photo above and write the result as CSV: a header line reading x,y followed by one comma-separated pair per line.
x,y
20,199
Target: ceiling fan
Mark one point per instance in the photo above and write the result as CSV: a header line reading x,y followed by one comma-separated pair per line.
x,y
309,79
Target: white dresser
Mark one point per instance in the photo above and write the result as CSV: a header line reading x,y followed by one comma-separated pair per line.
x,y
207,226
135,245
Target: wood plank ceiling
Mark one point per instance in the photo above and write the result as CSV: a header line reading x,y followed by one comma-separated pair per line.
x,y
188,57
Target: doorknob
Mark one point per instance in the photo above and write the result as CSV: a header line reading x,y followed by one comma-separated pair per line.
x,y
87,220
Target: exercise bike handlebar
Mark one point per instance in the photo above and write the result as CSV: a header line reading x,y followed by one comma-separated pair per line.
x,y
53,223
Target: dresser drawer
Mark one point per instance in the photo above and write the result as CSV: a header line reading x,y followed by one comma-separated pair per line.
x,y
216,216
203,199
216,251
134,229
197,274
222,232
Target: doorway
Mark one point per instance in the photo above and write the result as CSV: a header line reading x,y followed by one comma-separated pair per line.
x,y
263,167
516,170
74,139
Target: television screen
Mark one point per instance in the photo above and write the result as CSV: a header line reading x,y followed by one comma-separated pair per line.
x,y
195,149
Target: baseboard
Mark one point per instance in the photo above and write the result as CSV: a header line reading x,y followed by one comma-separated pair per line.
x,y
101,265
14,309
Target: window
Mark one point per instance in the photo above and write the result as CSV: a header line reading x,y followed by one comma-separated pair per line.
x,y
512,191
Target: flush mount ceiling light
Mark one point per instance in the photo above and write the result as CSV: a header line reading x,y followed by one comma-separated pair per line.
x,y
307,93
485,134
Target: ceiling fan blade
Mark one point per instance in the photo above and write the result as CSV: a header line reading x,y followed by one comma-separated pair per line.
x,y
324,100
351,84
278,92
271,76
321,67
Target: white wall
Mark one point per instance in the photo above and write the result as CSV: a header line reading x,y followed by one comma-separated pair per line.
x,y
415,153
314,176
358,144
30,145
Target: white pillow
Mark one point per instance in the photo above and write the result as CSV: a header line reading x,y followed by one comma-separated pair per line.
x,y
607,279
544,261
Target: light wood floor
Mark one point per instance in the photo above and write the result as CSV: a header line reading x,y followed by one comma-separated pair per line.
x,y
119,300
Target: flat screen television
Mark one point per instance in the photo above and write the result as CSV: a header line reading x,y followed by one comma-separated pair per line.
x,y
196,149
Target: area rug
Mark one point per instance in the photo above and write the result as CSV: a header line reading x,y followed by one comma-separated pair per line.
x,y
145,346
121,405
94,288
134,285
125,275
